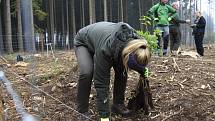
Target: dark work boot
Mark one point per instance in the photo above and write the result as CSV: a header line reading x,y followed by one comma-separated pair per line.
x,y
121,109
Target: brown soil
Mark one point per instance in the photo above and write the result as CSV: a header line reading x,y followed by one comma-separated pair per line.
x,y
183,88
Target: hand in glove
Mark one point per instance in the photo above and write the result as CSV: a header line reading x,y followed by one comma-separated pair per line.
x,y
169,19
104,119
146,72
156,19
193,25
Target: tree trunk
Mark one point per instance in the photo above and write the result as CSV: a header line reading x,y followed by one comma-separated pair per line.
x,y
8,30
63,25
72,26
42,42
82,9
121,13
19,26
1,38
28,26
110,10
125,13
67,25
140,12
51,17
105,11
55,23
92,11
48,28
32,27
190,36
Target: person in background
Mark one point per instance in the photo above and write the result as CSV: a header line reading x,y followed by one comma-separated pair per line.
x,y
98,48
175,32
199,32
160,13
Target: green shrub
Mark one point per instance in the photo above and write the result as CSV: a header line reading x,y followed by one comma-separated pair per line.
x,y
151,38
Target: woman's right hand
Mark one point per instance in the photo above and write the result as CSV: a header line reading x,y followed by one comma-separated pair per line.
x,y
193,25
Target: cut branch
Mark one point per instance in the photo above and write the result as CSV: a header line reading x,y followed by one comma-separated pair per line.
x,y
173,115
175,65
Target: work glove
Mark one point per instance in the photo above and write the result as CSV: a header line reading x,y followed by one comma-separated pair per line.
x,y
104,119
169,19
193,25
156,19
146,72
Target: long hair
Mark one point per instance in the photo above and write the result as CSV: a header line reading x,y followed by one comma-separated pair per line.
x,y
140,50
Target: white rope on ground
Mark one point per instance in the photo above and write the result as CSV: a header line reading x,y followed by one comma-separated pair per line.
x,y
186,59
17,100
23,79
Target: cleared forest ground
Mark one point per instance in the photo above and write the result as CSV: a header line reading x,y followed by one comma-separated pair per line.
x,y
183,88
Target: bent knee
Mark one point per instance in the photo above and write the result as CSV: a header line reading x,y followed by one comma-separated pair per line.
x,y
86,74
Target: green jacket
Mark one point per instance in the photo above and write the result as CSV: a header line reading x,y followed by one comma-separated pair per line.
x,y
162,12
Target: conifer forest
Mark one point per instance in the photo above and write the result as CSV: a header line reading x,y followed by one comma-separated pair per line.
x,y
39,70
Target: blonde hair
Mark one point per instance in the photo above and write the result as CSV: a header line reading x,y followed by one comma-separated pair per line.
x,y
140,50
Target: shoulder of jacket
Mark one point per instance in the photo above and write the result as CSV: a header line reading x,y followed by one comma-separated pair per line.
x,y
169,6
202,17
157,5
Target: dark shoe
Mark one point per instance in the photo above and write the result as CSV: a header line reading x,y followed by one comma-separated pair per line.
x,y
121,109
164,54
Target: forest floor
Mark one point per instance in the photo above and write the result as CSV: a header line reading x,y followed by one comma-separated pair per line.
x,y
183,88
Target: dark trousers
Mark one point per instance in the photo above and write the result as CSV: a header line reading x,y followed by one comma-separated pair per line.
x,y
165,43
165,35
120,81
175,38
199,43
85,62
